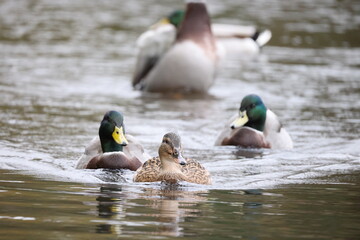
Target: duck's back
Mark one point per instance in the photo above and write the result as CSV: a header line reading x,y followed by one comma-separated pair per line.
x,y
192,172
149,171
195,172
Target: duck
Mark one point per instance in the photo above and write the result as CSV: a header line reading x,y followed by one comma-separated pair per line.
x,y
170,166
112,148
178,61
255,126
232,41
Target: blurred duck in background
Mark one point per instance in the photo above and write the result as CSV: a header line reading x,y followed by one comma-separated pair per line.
x,y
235,40
113,149
183,60
255,126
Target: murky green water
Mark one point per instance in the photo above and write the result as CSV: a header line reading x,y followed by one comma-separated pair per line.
x,y
64,64
37,209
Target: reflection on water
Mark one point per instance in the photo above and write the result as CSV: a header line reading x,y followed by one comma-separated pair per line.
x,y
63,65
110,204
165,208
321,211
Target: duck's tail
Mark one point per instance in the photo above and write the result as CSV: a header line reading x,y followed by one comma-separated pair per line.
x,y
263,37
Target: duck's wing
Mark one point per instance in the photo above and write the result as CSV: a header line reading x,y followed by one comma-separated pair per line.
x,y
91,150
226,132
135,149
195,172
275,133
149,171
151,45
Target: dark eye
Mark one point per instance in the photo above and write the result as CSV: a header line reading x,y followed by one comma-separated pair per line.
x,y
176,154
252,106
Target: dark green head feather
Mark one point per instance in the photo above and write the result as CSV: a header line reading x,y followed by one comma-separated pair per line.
x,y
176,17
111,120
255,110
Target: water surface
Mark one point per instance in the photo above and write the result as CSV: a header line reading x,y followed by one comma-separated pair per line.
x,y
63,65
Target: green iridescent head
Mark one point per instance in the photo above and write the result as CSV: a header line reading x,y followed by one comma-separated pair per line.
x,y
252,113
176,17
112,132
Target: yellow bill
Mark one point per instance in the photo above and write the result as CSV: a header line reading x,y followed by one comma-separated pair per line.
x,y
160,23
119,136
240,121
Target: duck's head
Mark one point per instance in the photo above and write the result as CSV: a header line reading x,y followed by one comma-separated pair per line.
x,y
112,132
252,113
176,17
170,151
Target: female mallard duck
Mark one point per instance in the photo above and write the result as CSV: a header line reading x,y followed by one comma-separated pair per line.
x,y
231,40
186,64
170,166
112,149
256,127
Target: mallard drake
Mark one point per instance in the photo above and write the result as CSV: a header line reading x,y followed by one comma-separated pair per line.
x,y
185,61
231,40
256,126
112,148
170,166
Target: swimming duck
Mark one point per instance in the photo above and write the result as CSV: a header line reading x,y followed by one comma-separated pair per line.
x,y
112,148
184,62
256,126
234,39
231,40
170,166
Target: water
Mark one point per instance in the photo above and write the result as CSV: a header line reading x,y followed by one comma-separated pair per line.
x,y
63,65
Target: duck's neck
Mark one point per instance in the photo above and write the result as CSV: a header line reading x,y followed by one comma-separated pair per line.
x,y
168,165
196,26
170,171
108,145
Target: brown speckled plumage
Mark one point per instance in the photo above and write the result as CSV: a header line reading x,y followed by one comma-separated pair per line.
x,y
192,172
153,170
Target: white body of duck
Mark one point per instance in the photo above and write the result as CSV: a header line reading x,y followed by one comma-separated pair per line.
x,y
182,62
240,41
275,134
